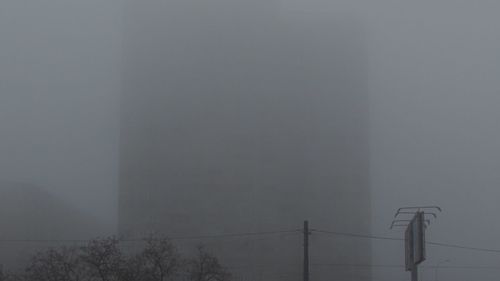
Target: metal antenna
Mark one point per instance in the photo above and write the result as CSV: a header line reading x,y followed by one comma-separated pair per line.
x,y
412,213
406,210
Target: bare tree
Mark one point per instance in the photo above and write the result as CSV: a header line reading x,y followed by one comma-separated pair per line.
x,y
11,276
161,258
55,265
206,267
133,269
8,276
104,258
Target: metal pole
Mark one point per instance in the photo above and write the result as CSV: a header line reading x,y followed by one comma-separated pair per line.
x,y
306,251
414,273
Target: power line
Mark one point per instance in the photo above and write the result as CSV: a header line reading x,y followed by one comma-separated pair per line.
x,y
357,235
463,247
398,266
402,266
226,235
355,265
194,237
263,233
465,267
447,245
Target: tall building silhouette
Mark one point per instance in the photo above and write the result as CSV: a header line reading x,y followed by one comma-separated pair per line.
x,y
238,118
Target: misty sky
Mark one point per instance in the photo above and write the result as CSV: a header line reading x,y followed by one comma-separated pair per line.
x,y
433,82
59,81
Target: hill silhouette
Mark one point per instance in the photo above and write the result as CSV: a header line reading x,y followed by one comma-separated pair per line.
x,y
32,219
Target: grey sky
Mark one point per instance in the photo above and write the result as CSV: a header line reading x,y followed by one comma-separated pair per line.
x,y
58,99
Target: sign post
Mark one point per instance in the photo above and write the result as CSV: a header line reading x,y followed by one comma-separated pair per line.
x,y
415,244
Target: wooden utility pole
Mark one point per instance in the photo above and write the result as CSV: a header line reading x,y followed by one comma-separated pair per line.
x,y
306,251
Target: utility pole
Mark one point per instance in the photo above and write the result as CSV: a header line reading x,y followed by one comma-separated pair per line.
x,y
306,250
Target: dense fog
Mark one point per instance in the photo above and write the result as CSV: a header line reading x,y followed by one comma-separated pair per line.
x,y
59,99
272,112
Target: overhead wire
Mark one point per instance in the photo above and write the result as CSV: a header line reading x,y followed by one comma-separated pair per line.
x,y
440,244
402,266
290,231
192,237
262,233
338,233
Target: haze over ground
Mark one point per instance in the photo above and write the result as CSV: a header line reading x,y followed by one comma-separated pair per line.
x,y
433,69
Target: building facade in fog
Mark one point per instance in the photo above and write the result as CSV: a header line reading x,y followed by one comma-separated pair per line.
x,y
238,117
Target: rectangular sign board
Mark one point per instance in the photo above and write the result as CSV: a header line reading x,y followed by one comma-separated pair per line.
x,y
415,241
408,249
419,238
